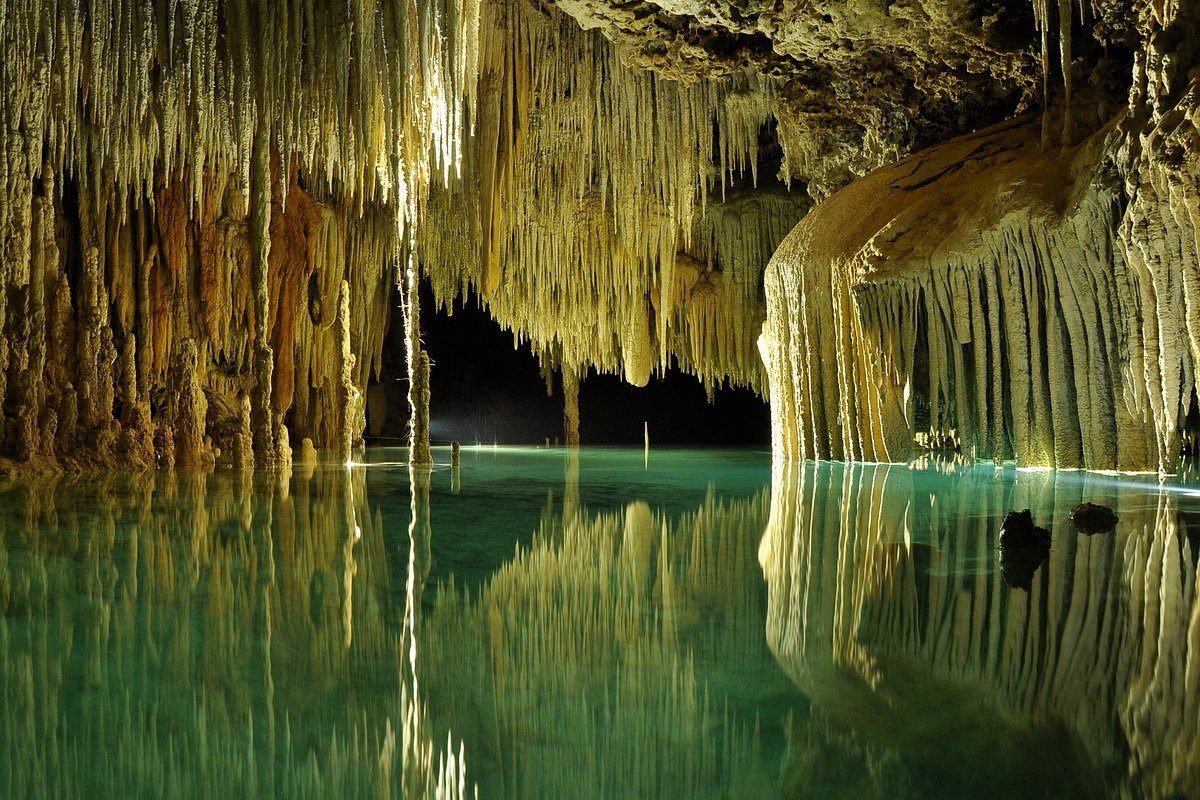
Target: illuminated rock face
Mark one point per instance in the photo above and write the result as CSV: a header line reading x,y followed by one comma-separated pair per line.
x,y
978,288
187,190
1017,297
207,207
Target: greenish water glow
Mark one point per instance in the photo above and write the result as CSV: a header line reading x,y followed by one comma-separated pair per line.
x,y
549,625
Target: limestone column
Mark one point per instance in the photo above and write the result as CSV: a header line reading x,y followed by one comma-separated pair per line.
x,y
262,421
347,393
418,373
570,382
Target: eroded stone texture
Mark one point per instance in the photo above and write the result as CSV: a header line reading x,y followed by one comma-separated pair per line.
x,y
209,174
1027,295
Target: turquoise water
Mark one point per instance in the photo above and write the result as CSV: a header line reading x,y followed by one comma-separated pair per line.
x,y
541,625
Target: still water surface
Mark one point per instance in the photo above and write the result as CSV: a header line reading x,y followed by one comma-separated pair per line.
x,y
541,625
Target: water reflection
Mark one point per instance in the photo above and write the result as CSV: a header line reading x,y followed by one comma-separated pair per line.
x,y
246,635
240,634
205,635
600,661
931,677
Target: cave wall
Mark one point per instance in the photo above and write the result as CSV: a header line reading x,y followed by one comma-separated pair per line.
x,y
1025,292
135,336
205,204
190,186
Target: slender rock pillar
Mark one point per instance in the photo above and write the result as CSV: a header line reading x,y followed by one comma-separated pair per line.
x,y
418,373
570,381
262,420
190,448
348,394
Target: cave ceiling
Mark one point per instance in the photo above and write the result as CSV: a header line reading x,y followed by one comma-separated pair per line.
x,y
861,83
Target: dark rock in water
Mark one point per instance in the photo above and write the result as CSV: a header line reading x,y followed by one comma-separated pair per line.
x,y
1093,518
1023,548
1018,564
1018,530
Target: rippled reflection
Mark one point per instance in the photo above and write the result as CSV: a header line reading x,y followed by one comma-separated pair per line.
x,y
206,635
309,635
248,635
599,661
933,677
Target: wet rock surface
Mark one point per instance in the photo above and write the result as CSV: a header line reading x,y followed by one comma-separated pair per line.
x,y
1023,548
1092,518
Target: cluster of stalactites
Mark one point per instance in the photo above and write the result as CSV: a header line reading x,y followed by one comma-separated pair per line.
x,y
155,233
139,335
1063,334
363,93
583,221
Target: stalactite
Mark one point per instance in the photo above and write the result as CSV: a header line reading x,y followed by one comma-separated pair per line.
x,y
586,187
216,157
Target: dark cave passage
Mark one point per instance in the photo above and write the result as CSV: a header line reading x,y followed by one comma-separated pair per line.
x,y
483,391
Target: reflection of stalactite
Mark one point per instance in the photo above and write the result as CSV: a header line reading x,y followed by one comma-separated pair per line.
x,y
206,633
598,638
884,591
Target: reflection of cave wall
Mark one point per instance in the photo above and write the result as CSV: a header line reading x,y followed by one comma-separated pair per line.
x,y
598,659
887,606
189,634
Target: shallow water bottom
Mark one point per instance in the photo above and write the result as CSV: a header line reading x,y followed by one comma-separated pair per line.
x,y
541,623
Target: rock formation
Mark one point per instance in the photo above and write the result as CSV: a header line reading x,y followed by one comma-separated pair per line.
x,y
610,181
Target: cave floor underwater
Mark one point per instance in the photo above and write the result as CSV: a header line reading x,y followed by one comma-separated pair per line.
x,y
600,622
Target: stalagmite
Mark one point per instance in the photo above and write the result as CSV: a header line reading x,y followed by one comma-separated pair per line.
x,y
191,411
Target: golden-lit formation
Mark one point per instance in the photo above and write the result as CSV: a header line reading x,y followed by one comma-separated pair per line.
x,y
585,195
212,202
188,188
1022,292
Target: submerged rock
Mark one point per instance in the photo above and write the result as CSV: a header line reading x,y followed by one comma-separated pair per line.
x,y
1018,530
1092,518
1023,548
